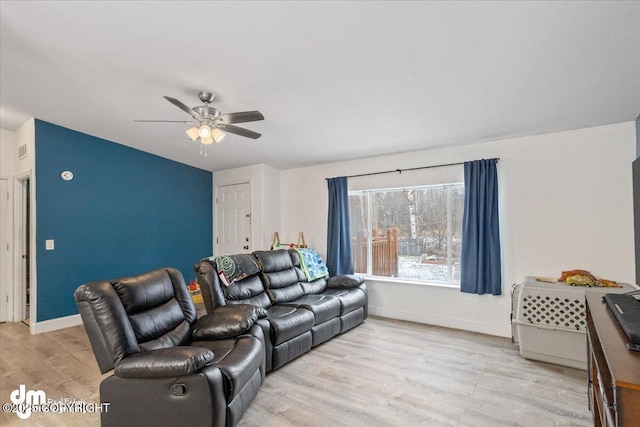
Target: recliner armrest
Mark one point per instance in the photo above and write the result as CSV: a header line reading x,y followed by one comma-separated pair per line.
x,y
164,362
227,321
345,281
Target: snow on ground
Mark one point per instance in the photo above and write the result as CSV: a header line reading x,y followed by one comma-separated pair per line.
x,y
409,267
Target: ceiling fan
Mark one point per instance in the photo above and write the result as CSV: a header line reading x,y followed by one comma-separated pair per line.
x,y
210,123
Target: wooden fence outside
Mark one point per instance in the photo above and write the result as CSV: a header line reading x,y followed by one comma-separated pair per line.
x,y
384,248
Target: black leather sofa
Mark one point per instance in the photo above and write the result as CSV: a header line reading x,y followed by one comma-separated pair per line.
x,y
300,314
172,368
169,367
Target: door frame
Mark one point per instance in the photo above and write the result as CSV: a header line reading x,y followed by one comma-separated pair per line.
x,y
216,223
19,288
8,254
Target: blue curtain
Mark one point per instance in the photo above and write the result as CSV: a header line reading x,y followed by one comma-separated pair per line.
x,y
339,258
480,264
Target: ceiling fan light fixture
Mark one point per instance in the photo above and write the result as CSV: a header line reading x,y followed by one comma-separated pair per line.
x,y
217,135
211,125
193,133
204,132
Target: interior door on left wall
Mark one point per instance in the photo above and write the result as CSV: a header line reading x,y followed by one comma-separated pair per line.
x,y
5,235
233,213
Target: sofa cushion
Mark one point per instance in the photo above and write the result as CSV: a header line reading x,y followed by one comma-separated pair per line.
x,y
295,260
316,287
277,260
279,276
323,307
288,322
350,299
250,290
159,307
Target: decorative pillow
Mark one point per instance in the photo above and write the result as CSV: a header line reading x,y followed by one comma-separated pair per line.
x,y
233,268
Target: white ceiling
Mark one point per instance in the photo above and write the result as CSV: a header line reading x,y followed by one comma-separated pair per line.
x,y
334,80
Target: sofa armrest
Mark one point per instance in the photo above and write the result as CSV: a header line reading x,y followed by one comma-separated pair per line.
x,y
345,281
164,362
227,321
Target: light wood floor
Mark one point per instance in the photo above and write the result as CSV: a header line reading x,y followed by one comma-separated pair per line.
x,y
382,373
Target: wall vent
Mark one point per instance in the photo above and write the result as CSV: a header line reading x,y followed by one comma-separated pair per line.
x,y
22,151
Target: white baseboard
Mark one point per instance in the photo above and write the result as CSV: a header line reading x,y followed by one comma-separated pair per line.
x,y
447,322
55,324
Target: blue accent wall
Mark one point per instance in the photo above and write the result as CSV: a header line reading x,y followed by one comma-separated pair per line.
x,y
123,213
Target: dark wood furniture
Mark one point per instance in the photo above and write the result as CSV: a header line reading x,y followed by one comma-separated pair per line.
x,y
614,371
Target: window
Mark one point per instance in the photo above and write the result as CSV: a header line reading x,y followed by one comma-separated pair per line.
x,y
410,233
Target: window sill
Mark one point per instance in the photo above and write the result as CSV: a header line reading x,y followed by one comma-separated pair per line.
x,y
409,281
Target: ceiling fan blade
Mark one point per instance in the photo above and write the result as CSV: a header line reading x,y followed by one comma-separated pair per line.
x,y
242,117
164,121
239,131
184,108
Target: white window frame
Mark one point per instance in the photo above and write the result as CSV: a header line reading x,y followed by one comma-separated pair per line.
x,y
369,231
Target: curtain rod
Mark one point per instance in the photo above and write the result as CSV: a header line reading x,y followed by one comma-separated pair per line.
x,y
497,159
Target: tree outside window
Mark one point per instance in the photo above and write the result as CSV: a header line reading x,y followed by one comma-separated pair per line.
x,y
410,233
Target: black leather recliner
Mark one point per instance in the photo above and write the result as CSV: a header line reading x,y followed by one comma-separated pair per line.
x,y
168,365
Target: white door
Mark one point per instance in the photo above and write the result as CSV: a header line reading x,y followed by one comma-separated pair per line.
x,y
5,261
233,213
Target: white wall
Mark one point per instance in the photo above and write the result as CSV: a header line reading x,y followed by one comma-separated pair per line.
x,y
270,221
26,167
8,153
265,199
26,134
7,170
565,203
14,170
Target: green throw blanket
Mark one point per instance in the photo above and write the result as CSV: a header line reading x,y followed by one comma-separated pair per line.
x,y
312,264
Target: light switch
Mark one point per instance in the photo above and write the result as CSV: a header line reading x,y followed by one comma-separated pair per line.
x,y
49,244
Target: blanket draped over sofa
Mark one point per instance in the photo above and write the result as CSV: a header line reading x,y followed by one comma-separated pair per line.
x,y
233,268
312,264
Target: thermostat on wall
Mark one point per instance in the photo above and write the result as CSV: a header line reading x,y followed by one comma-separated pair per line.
x,y
66,175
